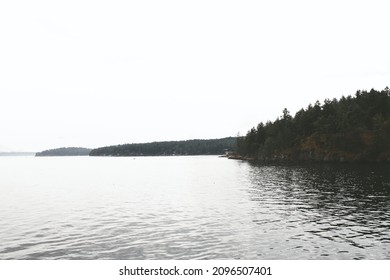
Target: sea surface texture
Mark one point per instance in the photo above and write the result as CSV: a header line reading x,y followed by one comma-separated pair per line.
x,y
202,207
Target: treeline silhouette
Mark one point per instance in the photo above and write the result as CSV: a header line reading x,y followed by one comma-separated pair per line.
x,y
188,147
69,151
349,129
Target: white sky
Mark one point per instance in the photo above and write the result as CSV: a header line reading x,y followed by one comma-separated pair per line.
x,y
96,73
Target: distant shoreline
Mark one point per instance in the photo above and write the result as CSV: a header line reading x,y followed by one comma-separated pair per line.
x,y
169,148
65,151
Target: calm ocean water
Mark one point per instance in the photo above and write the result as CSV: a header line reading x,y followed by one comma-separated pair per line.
x,y
201,207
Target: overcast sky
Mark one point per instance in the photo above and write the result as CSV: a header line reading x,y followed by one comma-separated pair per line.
x,y
97,73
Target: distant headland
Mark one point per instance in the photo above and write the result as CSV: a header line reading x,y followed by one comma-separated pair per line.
x,y
163,148
71,151
168,148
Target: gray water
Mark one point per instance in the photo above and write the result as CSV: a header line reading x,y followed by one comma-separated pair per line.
x,y
201,207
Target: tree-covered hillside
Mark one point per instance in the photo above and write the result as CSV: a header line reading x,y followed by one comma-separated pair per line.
x,y
71,151
188,147
355,129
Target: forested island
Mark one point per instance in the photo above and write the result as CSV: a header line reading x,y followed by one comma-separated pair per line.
x,y
351,129
188,147
70,151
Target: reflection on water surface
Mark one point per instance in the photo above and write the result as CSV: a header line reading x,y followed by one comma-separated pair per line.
x,y
201,207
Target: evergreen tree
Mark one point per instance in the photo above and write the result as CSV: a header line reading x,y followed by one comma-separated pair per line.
x,y
351,128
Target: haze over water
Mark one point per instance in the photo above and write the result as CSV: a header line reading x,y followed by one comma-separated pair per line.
x,y
201,207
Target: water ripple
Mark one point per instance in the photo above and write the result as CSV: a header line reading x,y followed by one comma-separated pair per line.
x,y
192,208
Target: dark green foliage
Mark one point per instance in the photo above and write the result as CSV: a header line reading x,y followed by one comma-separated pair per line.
x,y
189,147
72,151
349,129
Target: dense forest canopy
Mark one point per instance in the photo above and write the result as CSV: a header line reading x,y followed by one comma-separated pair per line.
x,y
71,151
353,129
188,147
